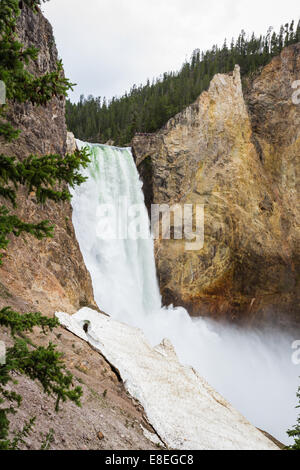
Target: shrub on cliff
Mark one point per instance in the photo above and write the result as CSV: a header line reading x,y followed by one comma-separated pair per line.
x,y
47,177
295,433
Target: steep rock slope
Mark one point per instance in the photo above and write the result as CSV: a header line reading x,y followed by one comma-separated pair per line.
x,y
108,419
43,275
244,167
50,274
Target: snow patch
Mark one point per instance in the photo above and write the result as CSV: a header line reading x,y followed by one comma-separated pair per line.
x,y
184,410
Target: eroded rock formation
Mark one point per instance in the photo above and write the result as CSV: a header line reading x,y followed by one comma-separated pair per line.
x,y
42,275
238,154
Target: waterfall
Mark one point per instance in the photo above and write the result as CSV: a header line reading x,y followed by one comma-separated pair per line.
x,y
252,369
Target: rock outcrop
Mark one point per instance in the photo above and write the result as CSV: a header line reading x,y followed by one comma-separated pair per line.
x,y
238,154
42,275
109,419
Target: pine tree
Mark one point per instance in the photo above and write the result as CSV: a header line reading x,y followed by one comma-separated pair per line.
x,y
47,177
274,44
297,35
281,40
295,433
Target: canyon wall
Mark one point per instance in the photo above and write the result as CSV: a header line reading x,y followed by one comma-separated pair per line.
x,y
50,275
42,275
237,152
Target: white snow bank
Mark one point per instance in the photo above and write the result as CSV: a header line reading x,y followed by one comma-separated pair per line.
x,y
184,410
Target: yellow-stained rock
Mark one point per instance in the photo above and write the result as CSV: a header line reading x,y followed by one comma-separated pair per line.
x,y
243,165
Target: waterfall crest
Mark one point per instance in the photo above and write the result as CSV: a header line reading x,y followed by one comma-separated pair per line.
x,y
122,270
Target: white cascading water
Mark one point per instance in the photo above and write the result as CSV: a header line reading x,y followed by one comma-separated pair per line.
x,y
252,369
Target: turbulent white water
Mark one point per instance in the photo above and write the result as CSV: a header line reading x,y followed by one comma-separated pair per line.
x,y
252,369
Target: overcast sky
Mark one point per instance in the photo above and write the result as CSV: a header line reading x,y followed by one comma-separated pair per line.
x,y
108,45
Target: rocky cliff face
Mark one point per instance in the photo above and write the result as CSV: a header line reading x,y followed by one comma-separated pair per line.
x,y
238,154
42,275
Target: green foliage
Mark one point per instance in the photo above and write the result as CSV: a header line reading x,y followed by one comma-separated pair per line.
x,y
20,435
19,323
48,440
45,178
147,108
21,85
295,433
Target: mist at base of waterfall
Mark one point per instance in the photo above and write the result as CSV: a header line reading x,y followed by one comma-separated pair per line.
x,y
252,369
